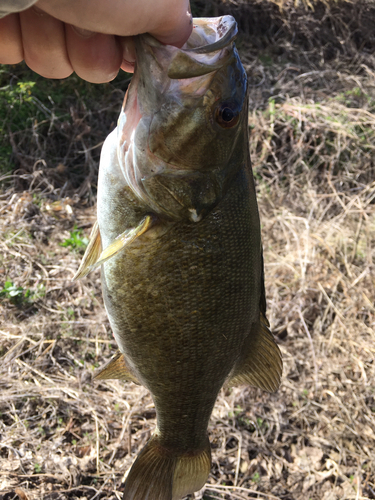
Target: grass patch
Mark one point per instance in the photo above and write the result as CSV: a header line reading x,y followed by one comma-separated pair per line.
x,y
20,296
77,241
55,124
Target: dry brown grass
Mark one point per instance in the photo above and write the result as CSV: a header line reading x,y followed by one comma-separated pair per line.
x,y
63,436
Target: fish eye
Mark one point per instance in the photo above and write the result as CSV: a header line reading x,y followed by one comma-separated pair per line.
x,y
227,114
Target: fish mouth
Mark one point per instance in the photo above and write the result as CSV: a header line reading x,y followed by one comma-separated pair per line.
x,y
208,49
210,34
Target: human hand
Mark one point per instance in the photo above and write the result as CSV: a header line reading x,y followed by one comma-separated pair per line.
x,y
91,37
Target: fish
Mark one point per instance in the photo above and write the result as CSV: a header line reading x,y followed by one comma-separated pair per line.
x,y
179,245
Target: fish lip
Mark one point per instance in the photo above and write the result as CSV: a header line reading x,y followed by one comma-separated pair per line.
x,y
224,26
207,49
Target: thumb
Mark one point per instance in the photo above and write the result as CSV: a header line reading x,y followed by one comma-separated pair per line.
x,y
176,26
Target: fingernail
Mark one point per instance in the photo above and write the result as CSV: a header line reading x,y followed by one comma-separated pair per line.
x,y
128,50
191,15
128,66
83,32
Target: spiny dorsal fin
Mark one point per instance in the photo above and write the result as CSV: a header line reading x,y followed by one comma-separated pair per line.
x,y
92,253
261,365
116,368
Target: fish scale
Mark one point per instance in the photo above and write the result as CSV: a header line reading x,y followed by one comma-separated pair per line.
x,y
218,279
180,250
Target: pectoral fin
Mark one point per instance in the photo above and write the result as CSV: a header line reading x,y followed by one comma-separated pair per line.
x,y
122,240
116,369
92,253
261,364
94,256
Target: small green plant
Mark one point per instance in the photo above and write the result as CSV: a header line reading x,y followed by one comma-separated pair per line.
x,y
37,468
15,294
71,313
76,240
256,477
41,430
238,410
18,295
244,421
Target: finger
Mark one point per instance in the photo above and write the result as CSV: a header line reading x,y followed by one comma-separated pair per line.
x,y
128,53
11,50
44,47
94,57
168,20
175,26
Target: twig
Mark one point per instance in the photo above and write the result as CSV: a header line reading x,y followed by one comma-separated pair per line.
x,y
312,348
219,487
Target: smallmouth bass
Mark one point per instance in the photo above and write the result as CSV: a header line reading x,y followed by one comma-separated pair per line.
x,y
178,240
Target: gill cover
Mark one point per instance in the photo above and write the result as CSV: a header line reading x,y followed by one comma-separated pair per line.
x,y
180,102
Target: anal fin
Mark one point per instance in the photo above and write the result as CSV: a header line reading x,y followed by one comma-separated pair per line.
x,y
116,368
261,364
92,253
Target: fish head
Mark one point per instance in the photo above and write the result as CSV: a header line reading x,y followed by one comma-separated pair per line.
x,y
183,129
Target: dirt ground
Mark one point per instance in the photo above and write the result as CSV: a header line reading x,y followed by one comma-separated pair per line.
x,y
312,119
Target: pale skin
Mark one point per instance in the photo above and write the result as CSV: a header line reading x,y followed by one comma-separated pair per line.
x,y
92,38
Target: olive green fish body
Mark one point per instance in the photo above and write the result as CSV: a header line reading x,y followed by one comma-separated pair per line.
x,y
182,304
178,240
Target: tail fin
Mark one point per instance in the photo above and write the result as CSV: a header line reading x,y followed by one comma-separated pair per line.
x,y
162,474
